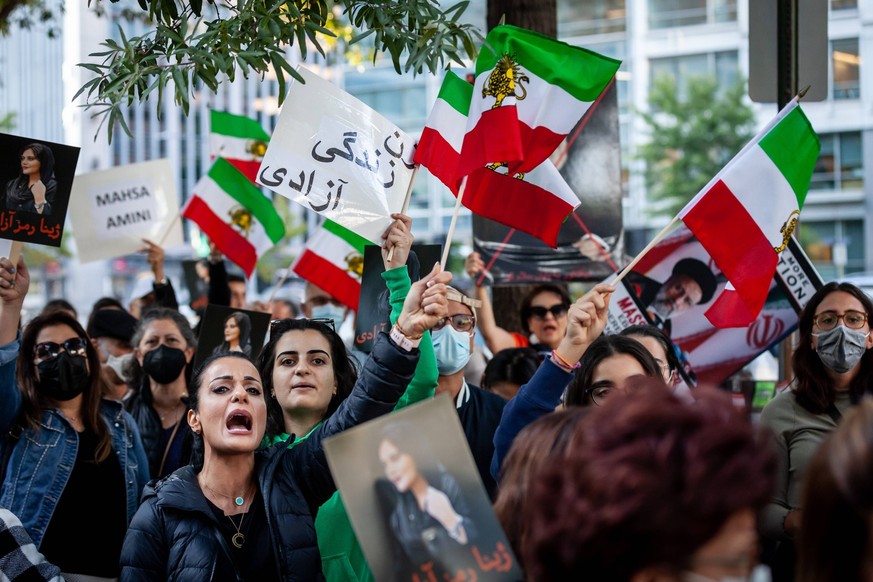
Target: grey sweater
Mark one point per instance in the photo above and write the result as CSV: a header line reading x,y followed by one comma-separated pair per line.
x,y
797,434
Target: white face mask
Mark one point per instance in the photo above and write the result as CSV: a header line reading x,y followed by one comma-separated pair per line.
x,y
330,311
760,573
119,363
451,348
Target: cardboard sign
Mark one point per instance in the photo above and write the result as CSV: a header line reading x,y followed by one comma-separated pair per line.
x,y
115,209
337,156
592,236
370,318
22,216
225,329
401,541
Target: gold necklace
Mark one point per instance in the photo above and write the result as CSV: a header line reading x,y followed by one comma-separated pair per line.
x,y
238,538
238,501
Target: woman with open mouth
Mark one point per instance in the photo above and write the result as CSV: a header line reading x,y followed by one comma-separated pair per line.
x,y
245,513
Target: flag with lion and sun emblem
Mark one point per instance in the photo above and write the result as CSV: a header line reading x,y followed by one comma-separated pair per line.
x,y
236,216
334,261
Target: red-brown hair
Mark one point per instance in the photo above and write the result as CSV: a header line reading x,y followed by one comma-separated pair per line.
x,y
653,480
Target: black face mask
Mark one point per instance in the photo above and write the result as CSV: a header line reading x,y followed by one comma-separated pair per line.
x,y
63,377
164,364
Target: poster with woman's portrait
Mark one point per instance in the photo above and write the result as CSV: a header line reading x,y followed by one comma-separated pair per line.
x,y
36,178
225,329
415,499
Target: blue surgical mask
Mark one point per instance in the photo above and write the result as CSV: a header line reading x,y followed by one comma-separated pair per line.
x,y
330,311
452,349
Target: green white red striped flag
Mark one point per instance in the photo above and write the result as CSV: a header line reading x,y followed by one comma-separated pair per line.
x,y
334,260
536,203
235,215
745,216
238,139
530,92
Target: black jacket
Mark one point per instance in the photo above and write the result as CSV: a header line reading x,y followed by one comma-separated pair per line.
x,y
174,535
149,423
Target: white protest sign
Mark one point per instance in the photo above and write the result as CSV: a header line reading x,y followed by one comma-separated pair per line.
x,y
113,210
332,153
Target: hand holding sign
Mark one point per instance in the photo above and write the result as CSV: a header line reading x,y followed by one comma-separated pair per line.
x,y
155,257
398,241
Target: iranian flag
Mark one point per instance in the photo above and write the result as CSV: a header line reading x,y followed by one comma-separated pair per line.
x,y
238,139
537,202
530,92
334,260
439,148
235,215
746,214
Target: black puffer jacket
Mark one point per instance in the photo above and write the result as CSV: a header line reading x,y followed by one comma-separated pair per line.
x,y
174,535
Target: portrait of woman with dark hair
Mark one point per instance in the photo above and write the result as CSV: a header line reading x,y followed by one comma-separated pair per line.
x,y
35,187
428,516
237,335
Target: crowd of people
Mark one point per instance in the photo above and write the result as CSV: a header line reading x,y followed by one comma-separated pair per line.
x,y
122,462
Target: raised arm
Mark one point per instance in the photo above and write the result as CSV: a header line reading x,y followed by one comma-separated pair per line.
x,y
385,376
585,322
165,295
496,338
14,283
398,238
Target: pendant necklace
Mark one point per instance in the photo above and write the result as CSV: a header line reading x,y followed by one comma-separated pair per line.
x,y
238,538
238,501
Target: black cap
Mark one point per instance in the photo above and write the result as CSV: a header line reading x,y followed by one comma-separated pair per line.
x,y
114,323
701,273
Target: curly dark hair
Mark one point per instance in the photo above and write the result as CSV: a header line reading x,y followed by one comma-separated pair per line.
x,y
344,370
813,389
648,480
602,348
558,290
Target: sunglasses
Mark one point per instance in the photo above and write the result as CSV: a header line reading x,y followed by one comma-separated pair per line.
x,y
325,321
540,312
460,321
47,350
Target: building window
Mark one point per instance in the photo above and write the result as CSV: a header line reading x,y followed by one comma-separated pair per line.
x,y
591,17
840,164
846,69
723,66
671,13
844,4
835,247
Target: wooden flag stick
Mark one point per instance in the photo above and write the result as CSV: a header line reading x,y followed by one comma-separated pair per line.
x,y
15,252
173,222
405,207
279,284
452,224
642,253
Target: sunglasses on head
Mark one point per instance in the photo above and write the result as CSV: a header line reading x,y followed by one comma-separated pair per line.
x,y
540,312
326,321
75,346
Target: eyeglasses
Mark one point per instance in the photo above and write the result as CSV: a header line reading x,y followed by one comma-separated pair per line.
x,y
75,346
459,321
540,312
599,394
326,321
827,320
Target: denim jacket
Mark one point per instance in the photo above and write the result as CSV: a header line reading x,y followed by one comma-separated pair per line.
x,y
42,461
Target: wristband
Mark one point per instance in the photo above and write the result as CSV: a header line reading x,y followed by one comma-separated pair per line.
x,y
402,340
561,362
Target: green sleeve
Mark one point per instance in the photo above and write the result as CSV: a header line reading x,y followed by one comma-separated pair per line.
x,y
425,380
